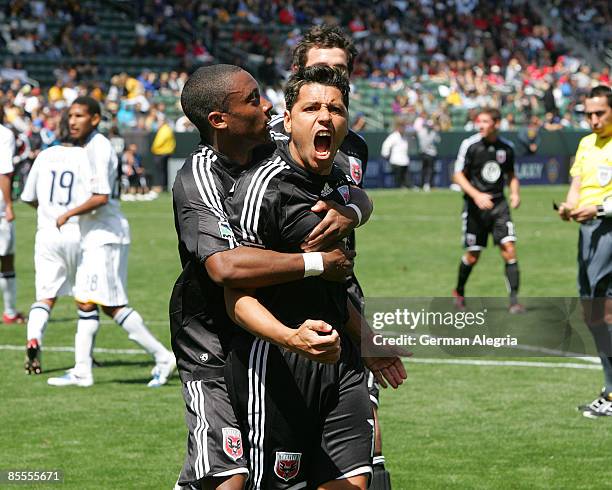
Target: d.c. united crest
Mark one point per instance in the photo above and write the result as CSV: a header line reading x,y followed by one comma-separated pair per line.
x,y
287,465
232,442
356,173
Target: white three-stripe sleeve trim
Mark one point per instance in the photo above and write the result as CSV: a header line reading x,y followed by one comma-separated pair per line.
x,y
199,184
209,162
209,182
465,145
251,190
250,193
260,200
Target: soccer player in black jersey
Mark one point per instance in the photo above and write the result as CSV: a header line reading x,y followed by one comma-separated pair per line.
x,y
308,423
224,103
484,164
329,45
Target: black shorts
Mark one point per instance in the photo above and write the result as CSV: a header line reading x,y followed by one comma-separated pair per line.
x,y
595,259
307,423
478,223
214,443
355,294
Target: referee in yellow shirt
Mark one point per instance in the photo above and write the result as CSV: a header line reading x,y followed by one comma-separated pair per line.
x,y
589,201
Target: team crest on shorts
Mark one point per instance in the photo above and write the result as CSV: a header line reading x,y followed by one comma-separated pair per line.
x,y
355,165
287,465
500,156
491,171
232,443
343,190
604,174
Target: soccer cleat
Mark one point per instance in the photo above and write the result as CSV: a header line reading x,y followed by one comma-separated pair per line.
x,y
459,300
16,318
600,407
161,373
516,309
72,379
32,362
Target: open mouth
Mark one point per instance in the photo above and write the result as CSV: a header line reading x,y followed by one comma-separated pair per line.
x,y
322,144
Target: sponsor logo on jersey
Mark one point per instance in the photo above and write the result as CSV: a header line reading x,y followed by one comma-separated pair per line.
x,y
287,465
225,230
345,193
491,172
355,166
604,174
500,156
232,442
327,190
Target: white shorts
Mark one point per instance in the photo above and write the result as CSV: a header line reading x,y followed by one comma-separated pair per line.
x,y
56,256
101,276
7,237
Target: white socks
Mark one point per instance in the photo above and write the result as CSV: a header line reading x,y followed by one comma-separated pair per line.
x,y
8,286
37,321
87,326
133,324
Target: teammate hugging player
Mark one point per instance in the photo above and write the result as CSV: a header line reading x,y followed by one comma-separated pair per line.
x,y
484,162
310,424
224,103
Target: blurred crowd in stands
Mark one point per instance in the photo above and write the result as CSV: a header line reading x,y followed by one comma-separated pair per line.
x,y
419,60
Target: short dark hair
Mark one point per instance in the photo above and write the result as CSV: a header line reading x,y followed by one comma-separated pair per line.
x,y
601,91
326,37
491,111
64,129
206,91
323,74
93,106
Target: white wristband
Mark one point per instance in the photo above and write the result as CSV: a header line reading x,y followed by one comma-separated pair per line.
x,y
357,210
313,264
607,208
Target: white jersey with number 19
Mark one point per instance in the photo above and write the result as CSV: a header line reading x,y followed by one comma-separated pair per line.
x,y
56,182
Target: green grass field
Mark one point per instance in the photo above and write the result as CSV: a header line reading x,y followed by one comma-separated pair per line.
x,y
459,426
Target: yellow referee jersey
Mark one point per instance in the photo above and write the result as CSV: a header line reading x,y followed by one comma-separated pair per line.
x,y
593,165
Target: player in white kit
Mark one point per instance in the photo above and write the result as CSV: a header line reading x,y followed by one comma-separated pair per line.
x,y
54,186
8,283
101,277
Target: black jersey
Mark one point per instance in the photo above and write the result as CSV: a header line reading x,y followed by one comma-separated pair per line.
x,y
201,330
270,208
352,159
486,164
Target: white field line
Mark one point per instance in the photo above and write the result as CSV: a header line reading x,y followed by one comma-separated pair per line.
x,y
484,362
467,362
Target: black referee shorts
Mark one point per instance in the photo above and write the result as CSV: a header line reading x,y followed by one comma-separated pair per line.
x,y
307,422
478,223
214,444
